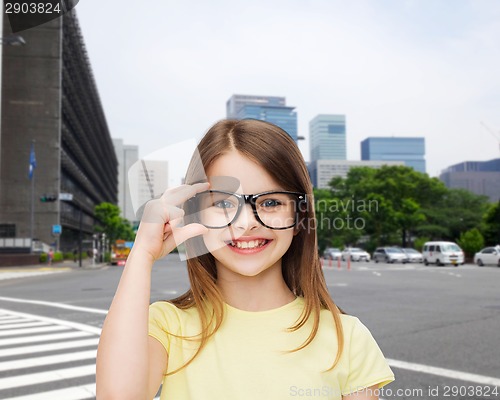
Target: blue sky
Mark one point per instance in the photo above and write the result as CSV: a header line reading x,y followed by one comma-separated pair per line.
x,y
405,68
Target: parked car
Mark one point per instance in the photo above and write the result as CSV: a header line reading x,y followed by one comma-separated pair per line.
x,y
414,256
389,255
355,254
332,253
442,253
488,256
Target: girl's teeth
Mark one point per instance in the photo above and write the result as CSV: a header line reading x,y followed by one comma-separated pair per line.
x,y
248,245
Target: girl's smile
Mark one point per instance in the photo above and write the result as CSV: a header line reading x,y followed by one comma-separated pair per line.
x,y
248,245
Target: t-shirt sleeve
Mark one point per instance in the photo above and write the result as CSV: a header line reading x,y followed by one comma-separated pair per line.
x,y
367,364
159,323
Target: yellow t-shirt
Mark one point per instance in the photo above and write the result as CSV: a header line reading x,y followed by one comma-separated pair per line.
x,y
247,359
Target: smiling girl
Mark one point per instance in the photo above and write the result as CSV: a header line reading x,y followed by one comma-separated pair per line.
x,y
258,321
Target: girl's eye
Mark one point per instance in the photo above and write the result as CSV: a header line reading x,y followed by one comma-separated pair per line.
x,y
270,203
223,204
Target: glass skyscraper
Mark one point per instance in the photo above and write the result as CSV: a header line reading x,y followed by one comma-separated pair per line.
x,y
327,134
264,108
411,150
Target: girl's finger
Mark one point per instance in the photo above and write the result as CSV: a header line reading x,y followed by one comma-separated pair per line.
x,y
161,213
178,195
180,235
175,213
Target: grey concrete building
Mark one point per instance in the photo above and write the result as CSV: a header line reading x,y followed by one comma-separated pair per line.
x,y
323,171
49,96
479,177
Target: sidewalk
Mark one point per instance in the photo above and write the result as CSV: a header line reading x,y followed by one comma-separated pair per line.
x,y
64,265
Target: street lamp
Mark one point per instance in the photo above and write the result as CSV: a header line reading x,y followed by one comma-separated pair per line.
x,y
94,248
103,246
13,40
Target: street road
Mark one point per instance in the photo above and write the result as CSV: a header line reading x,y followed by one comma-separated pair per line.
x,y
438,326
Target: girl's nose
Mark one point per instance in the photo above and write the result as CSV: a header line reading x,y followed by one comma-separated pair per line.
x,y
246,220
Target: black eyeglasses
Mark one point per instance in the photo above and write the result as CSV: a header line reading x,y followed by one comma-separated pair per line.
x,y
217,209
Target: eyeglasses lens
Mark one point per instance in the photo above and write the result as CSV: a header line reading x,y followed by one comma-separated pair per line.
x,y
218,210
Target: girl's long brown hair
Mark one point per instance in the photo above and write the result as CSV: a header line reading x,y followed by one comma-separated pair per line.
x,y
273,149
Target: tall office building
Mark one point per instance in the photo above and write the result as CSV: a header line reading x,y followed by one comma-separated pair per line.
x,y
264,108
479,177
49,98
327,135
126,155
411,150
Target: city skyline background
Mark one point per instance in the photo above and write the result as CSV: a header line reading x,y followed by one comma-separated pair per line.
x,y
394,68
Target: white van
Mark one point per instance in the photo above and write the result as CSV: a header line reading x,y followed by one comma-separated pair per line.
x,y
442,253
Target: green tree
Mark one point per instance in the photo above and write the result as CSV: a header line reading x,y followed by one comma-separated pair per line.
x,y
380,220
355,205
334,225
110,222
419,243
471,241
457,211
409,192
394,204
321,199
492,224
400,195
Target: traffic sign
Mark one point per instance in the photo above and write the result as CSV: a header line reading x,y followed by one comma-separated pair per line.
x,y
66,196
56,229
48,198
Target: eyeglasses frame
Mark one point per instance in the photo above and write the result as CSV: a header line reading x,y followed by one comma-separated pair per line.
x,y
244,199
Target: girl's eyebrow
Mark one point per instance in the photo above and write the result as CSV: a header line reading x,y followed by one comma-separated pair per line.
x,y
256,192
273,190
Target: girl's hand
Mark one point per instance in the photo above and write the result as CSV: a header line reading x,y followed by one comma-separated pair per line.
x,y
154,237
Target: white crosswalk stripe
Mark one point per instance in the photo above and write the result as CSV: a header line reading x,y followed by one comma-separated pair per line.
x,y
46,359
75,393
17,351
50,376
21,324
11,332
43,338
28,273
8,317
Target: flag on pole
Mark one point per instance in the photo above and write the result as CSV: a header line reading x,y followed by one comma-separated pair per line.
x,y
32,161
